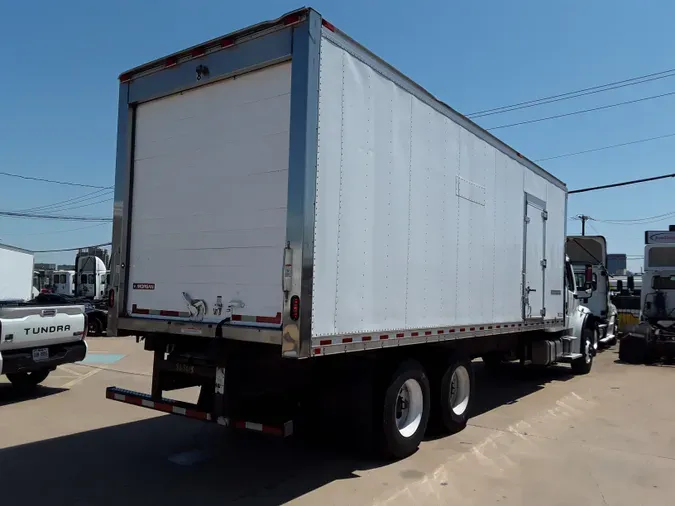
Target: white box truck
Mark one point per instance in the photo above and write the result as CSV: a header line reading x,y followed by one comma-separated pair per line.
x,y
16,274
296,222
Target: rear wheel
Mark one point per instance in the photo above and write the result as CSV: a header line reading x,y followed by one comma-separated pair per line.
x,y
584,364
95,327
455,395
29,379
405,410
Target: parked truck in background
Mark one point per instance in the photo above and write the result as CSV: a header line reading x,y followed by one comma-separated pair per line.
x,y
92,276
34,338
588,255
300,228
654,337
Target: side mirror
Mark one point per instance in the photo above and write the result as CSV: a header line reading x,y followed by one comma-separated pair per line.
x,y
631,283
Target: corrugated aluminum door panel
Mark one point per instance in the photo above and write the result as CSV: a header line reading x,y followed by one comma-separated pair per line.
x,y
419,223
209,201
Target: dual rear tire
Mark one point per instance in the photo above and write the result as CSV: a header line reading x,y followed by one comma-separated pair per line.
x,y
413,401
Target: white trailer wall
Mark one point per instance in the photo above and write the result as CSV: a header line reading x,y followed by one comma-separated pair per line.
x,y
208,216
16,274
419,223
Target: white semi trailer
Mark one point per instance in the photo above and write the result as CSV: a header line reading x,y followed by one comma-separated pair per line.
x,y
299,226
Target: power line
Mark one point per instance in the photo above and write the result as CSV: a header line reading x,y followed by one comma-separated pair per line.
x,y
16,214
72,249
625,183
574,94
43,180
58,231
82,205
605,147
638,221
81,198
582,111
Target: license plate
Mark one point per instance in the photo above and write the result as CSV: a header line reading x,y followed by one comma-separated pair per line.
x,y
40,354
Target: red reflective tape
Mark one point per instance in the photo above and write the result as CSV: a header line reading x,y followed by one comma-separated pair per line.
x,y
268,319
451,330
227,42
347,339
166,408
236,317
171,61
441,331
366,338
239,425
384,336
400,335
199,51
490,327
499,326
317,351
133,400
275,431
292,19
328,25
169,313
462,330
136,310
200,415
427,333
472,329
481,328
325,342
414,334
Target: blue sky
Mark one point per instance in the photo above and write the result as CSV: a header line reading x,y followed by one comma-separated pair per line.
x,y
58,94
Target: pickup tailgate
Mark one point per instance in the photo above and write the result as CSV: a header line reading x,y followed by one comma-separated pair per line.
x,y
209,200
29,327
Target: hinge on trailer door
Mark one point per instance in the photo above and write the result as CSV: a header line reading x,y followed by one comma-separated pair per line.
x,y
543,311
544,215
527,219
543,263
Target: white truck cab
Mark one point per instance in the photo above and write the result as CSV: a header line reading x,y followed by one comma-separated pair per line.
x,y
654,336
588,256
64,282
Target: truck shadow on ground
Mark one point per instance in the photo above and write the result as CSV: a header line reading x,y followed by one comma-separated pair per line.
x,y
511,383
10,395
135,463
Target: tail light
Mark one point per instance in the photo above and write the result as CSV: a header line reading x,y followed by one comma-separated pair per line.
x,y
111,298
295,308
86,326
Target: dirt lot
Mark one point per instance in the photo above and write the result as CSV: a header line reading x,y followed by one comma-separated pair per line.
x,y
546,438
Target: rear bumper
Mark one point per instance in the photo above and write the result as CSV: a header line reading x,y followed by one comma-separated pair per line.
x,y
22,360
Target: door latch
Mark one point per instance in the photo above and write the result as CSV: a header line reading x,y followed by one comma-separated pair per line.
x,y
543,263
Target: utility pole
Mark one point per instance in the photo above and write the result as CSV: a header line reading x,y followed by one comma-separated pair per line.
x,y
583,219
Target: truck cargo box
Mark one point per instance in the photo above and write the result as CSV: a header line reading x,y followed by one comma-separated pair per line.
x,y
283,184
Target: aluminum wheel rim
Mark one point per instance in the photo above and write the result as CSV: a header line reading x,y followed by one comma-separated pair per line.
x,y
587,351
460,390
409,408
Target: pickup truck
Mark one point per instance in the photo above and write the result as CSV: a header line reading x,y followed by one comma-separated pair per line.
x,y
35,339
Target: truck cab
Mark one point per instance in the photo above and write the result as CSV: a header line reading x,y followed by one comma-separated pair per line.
x,y
92,278
654,336
657,301
588,256
64,282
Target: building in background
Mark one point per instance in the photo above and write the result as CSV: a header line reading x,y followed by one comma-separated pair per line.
x,y
616,264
